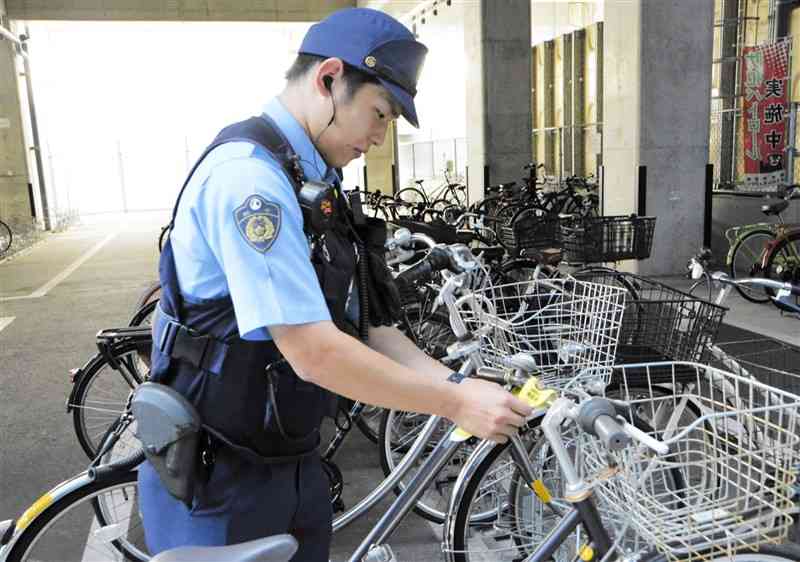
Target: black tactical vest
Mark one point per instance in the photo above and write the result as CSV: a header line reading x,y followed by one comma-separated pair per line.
x,y
248,396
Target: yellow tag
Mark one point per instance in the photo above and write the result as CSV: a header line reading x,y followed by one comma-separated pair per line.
x,y
530,393
459,435
587,553
536,397
541,491
30,514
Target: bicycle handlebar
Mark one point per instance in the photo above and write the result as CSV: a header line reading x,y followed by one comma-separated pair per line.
x,y
457,258
598,416
758,282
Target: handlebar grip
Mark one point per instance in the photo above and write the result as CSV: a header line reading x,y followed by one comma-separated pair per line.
x,y
436,260
597,417
795,289
611,433
416,272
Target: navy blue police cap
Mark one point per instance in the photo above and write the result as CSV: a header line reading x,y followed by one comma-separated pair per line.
x,y
375,43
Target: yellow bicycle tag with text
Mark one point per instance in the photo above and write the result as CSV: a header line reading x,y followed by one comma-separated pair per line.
x,y
530,393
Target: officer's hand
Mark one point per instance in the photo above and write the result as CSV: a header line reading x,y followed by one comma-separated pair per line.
x,y
487,411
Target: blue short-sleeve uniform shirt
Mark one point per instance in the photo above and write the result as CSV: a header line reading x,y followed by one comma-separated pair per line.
x,y
264,263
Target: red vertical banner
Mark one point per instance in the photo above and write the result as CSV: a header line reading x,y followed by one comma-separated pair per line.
x,y
765,81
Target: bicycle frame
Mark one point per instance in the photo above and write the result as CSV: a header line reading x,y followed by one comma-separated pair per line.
x,y
781,234
583,511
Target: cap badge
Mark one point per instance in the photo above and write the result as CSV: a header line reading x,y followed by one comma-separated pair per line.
x,y
370,61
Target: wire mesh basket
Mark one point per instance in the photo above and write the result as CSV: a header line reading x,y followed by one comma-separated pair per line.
x,y
568,327
770,361
531,230
660,323
607,239
727,481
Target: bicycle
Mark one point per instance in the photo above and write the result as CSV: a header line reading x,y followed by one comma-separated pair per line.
x,y
5,238
781,291
749,246
720,489
492,334
562,300
447,195
660,502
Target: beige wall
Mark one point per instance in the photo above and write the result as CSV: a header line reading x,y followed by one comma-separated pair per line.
x,y
14,172
379,162
176,10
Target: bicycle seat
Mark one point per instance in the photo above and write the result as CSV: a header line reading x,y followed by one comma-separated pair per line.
x,y
774,208
279,548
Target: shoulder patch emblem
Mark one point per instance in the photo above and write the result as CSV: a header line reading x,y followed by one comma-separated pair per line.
x,y
259,222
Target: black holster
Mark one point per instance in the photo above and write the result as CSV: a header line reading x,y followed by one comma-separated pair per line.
x,y
170,430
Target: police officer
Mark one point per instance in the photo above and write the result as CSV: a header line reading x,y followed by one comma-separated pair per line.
x,y
259,314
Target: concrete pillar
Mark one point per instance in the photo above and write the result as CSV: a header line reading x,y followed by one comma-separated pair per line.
x,y
497,37
657,76
15,203
380,161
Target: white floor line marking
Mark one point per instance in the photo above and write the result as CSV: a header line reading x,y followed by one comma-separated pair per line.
x,y
47,287
4,322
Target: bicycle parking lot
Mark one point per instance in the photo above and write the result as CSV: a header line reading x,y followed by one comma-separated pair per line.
x,y
81,274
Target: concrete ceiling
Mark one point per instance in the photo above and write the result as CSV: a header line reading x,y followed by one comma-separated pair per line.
x,y
174,10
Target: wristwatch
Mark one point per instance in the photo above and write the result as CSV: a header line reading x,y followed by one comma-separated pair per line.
x,y
456,377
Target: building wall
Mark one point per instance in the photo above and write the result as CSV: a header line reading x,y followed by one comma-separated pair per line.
x,y
175,10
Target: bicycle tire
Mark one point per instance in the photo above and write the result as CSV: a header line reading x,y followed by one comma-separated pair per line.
x,y
94,492
464,524
752,263
411,196
144,315
434,503
90,429
5,237
432,334
783,263
488,205
151,293
369,422
505,214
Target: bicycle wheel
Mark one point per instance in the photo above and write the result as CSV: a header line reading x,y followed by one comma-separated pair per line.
x,y
506,213
94,522
151,293
5,237
523,520
746,261
398,432
411,196
369,422
783,262
488,205
99,395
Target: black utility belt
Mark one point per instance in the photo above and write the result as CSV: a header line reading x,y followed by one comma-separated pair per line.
x,y
181,447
